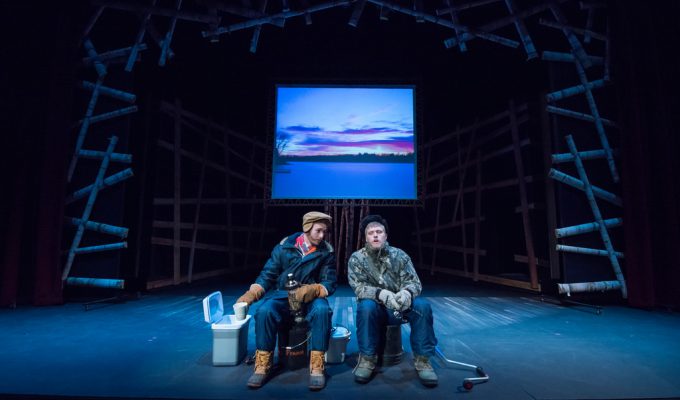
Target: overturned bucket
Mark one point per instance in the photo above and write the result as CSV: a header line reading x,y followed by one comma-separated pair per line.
x,y
337,345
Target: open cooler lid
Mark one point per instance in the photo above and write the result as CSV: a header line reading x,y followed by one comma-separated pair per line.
x,y
213,308
229,323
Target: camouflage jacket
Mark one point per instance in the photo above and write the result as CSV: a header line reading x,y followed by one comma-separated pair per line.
x,y
389,268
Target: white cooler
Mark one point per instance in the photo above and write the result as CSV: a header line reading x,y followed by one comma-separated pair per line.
x,y
230,336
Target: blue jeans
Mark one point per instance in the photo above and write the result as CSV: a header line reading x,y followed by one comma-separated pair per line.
x,y
373,318
274,313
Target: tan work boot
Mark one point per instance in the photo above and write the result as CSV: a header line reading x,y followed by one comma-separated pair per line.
x,y
317,375
363,371
425,371
263,367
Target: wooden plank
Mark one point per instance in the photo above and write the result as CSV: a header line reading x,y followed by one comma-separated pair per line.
x,y
490,278
453,13
504,21
436,226
251,216
84,127
167,145
263,229
539,261
461,177
599,125
227,191
170,109
522,31
519,167
550,202
197,212
478,218
157,10
199,245
468,32
480,125
201,275
530,206
457,249
209,227
489,186
88,207
220,144
612,255
168,201
419,240
507,149
467,221
177,194
461,183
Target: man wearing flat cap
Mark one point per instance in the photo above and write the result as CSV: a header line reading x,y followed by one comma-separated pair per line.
x,y
311,260
388,288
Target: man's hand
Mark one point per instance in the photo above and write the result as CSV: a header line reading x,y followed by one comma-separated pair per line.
x,y
307,293
252,295
404,298
388,299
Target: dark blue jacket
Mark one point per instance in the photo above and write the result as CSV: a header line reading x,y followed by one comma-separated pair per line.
x,y
317,267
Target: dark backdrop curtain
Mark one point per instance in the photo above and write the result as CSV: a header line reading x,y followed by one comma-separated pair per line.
x,y
646,66
37,85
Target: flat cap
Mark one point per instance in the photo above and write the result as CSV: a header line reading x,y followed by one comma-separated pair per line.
x,y
311,217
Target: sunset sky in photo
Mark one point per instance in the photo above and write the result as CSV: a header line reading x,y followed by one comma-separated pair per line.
x,y
345,121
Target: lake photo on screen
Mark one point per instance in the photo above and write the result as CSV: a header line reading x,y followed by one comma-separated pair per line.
x,y
344,180
344,143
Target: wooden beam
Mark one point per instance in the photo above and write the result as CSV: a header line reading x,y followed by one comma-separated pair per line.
x,y
457,249
493,185
177,195
480,125
155,10
209,227
201,275
467,221
486,157
169,201
538,261
526,221
197,211
192,156
489,278
169,109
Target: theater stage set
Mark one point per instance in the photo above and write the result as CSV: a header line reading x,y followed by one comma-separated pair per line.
x,y
522,151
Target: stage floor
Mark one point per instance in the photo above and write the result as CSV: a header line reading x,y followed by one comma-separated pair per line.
x,y
159,347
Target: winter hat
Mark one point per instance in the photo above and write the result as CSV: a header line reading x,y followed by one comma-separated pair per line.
x,y
311,217
372,218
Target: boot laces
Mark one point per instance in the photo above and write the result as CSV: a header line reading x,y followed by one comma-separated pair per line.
x,y
316,363
263,361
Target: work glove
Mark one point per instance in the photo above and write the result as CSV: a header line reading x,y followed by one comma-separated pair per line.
x,y
388,298
252,295
404,298
307,293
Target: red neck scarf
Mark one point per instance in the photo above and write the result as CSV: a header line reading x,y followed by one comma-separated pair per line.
x,y
301,245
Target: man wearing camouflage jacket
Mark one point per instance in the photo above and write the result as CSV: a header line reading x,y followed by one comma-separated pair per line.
x,y
387,288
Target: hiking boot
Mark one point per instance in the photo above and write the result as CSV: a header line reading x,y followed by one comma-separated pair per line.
x,y
363,372
317,376
425,371
263,367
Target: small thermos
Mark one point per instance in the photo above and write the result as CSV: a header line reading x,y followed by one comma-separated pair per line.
x,y
294,305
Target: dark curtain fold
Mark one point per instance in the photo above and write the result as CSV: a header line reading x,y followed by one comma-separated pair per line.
x,y
646,65
37,85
